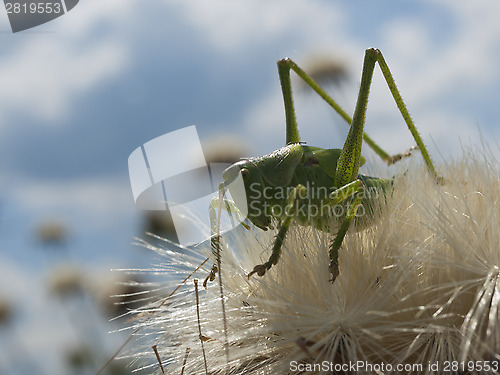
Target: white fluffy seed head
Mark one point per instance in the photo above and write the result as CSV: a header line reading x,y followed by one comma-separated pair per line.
x,y
421,284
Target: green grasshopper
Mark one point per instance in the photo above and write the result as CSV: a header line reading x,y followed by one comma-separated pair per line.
x,y
285,184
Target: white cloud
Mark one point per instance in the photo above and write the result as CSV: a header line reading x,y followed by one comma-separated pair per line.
x,y
43,77
466,59
240,27
45,71
99,203
430,74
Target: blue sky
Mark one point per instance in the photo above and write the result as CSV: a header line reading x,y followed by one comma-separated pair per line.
x,y
80,93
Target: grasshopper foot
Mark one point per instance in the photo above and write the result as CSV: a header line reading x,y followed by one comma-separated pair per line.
x,y
395,158
260,269
334,270
211,276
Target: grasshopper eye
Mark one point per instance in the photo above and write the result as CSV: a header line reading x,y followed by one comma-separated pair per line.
x,y
245,173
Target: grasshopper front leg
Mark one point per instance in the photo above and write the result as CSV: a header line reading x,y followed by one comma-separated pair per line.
x,y
290,209
215,237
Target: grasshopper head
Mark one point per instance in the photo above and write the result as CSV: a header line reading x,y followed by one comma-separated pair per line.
x,y
245,183
234,171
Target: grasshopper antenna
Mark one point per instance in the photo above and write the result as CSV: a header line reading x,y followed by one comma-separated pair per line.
x,y
224,318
